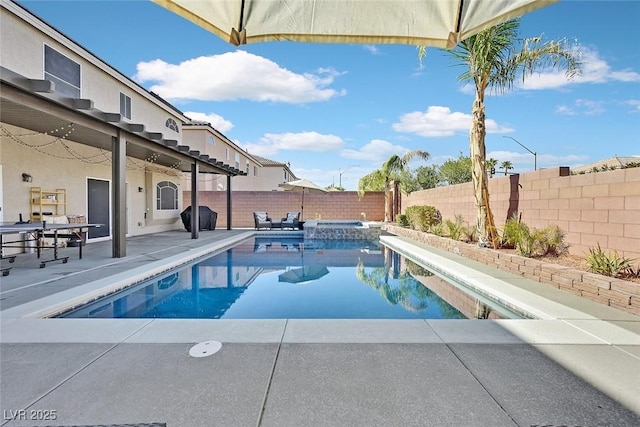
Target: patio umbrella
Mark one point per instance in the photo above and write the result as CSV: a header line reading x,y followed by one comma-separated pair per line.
x,y
440,23
303,274
302,185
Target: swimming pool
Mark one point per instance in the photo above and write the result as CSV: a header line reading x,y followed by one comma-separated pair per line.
x,y
278,277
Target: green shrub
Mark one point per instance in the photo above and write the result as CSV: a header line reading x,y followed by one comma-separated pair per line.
x,y
607,263
422,218
458,230
513,228
403,220
439,230
531,242
454,228
553,241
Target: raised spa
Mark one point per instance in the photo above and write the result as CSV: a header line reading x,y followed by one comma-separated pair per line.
x,y
337,229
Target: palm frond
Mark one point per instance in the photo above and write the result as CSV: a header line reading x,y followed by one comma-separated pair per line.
x,y
375,181
495,58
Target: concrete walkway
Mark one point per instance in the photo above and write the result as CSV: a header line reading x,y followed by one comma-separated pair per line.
x,y
578,365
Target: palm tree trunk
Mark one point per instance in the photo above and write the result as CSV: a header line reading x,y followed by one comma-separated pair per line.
x,y
485,225
387,202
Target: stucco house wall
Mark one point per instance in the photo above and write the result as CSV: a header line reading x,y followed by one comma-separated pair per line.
x,y
22,51
62,163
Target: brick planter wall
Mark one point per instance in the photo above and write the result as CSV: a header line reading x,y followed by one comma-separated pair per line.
x,y
616,293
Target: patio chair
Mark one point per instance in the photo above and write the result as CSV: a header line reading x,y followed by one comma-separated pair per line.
x,y
292,220
262,220
261,245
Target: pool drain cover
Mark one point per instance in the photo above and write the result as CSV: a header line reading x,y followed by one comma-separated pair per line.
x,y
204,349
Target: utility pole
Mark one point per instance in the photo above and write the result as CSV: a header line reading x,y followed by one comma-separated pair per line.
x,y
343,171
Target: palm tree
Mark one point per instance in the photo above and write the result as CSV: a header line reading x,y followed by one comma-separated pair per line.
x,y
493,59
491,165
506,165
379,179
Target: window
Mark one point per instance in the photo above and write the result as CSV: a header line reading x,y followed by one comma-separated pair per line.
x,y
247,168
172,124
64,72
238,161
226,153
125,106
166,196
255,171
211,140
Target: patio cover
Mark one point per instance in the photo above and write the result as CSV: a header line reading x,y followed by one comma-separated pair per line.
x,y
439,23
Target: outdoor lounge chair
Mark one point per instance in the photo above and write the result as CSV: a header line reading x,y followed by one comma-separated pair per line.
x,y
262,220
292,220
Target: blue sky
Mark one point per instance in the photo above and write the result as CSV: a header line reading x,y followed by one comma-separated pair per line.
x,y
341,110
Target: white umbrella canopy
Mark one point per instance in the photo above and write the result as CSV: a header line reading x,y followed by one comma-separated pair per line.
x,y
303,274
302,185
440,23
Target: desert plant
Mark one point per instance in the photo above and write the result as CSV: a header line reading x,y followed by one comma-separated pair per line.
x,y
459,230
439,230
633,272
402,219
607,263
469,234
531,242
454,228
553,241
511,231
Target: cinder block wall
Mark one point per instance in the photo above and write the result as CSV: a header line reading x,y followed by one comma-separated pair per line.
x,y
330,205
596,208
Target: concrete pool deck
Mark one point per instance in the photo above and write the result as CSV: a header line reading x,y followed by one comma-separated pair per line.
x,y
578,365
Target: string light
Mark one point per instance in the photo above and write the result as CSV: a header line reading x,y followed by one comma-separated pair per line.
x,y
98,156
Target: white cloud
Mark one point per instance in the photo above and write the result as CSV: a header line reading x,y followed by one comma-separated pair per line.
x,y
272,143
440,121
634,104
566,110
583,107
526,160
594,70
218,122
236,75
325,177
371,48
375,151
550,160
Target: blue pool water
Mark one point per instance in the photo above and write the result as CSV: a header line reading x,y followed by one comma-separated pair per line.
x,y
275,278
